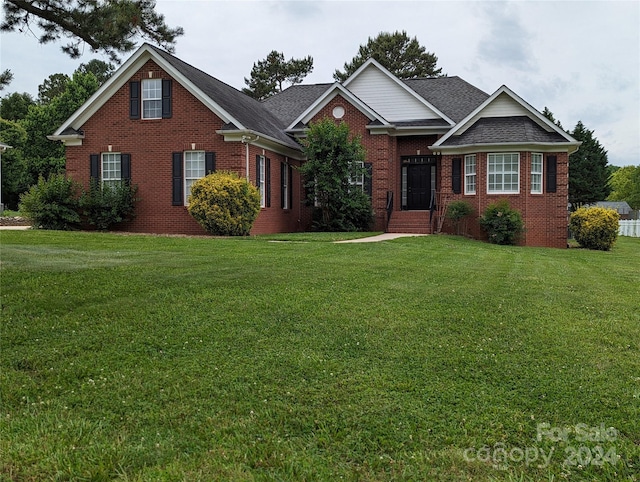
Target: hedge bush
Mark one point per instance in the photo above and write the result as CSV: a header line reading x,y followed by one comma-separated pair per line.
x,y
457,211
52,203
595,228
502,224
224,204
107,204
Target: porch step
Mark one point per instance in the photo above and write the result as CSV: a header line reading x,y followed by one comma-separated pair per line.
x,y
413,222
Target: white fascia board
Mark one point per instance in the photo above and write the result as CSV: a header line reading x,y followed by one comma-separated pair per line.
x,y
569,147
325,98
123,74
260,140
418,97
536,116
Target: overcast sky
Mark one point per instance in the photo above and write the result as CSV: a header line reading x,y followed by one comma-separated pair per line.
x,y
579,58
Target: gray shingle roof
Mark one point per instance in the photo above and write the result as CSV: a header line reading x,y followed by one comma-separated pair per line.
x,y
293,101
251,113
495,130
454,97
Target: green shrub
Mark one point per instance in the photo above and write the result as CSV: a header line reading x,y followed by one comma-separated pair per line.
x,y
52,203
224,204
457,211
108,204
502,224
595,228
353,213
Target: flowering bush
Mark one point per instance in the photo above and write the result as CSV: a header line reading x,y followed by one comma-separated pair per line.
x,y
595,228
224,204
502,224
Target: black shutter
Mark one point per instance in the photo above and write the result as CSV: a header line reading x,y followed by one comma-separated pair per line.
x,y
456,175
267,191
290,185
166,98
552,173
178,196
125,167
94,167
209,162
368,178
258,171
283,175
134,100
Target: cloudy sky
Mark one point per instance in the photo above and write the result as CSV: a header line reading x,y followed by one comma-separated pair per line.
x,y
579,58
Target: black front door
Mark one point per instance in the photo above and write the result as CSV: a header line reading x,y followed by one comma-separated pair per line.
x,y
418,186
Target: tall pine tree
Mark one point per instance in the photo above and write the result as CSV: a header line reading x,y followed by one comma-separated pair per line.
x,y
588,174
269,75
404,57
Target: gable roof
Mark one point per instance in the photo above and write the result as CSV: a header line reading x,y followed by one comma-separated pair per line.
x,y
505,118
329,94
389,95
504,130
452,95
288,104
236,109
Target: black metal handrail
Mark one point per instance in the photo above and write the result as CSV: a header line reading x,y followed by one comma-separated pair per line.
x,y
389,205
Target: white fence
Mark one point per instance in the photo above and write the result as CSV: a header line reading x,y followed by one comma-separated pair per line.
x,y
629,228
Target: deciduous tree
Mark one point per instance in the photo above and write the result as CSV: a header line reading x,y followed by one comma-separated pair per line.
x,y
402,56
625,186
15,106
109,26
334,160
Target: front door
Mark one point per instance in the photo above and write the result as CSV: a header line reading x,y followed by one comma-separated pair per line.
x,y
418,186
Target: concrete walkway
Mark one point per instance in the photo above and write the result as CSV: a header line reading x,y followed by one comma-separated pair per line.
x,y
15,227
380,237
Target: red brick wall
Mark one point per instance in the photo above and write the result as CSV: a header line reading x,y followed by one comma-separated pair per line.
x,y
544,215
151,143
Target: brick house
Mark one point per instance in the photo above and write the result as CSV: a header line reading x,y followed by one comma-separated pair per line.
x,y
163,123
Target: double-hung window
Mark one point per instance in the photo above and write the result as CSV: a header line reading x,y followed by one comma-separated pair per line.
x,y
536,173
261,179
111,168
194,169
503,173
152,98
356,178
470,174
284,185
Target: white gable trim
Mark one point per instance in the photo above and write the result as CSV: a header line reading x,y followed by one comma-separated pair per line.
x,y
122,76
333,91
375,64
532,113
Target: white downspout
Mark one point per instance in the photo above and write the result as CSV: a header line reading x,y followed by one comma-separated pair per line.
x,y
246,140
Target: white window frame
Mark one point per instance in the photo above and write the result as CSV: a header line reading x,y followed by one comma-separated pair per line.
x,y
470,174
497,165
358,179
110,168
285,186
537,164
152,99
262,181
191,173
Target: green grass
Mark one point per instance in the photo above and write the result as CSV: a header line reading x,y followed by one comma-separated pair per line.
x,y
144,358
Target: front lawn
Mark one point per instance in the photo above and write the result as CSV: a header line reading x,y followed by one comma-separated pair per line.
x,y
290,358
